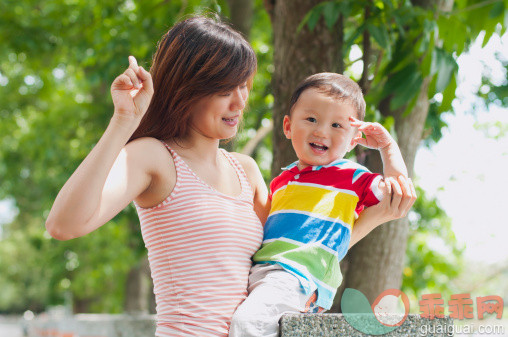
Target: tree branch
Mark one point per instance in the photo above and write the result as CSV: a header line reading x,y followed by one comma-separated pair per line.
x,y
269,6
475,6
340,44
364,80
251,145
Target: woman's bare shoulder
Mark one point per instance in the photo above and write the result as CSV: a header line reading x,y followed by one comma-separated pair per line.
x,y
158,163
248,163
148,148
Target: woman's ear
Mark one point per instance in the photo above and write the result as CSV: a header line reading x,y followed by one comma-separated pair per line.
x,y
287,126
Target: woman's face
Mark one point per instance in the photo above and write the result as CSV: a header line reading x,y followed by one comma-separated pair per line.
x,y
217,116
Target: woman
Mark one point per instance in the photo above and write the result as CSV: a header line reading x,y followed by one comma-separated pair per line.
x,y
201,208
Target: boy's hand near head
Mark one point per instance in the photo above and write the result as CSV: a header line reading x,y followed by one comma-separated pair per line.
x,y
377,137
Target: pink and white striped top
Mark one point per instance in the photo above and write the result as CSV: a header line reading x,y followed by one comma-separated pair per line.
x,y
200,243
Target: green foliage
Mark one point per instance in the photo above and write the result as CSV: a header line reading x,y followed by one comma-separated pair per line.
x,y
411,43
492,93
260,98
434,257
57,61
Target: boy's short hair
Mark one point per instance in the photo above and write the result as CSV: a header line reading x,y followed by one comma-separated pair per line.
x,y
335,85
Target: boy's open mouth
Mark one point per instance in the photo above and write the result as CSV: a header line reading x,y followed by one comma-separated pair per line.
x,y
319,146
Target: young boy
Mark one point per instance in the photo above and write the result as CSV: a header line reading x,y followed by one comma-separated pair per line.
x,y
314,202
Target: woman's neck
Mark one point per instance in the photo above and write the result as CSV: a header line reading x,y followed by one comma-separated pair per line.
x,y
197,147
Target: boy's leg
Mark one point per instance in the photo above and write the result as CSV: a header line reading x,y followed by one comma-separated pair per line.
x,y
272,292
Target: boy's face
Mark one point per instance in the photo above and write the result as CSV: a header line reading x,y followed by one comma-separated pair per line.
x,y
319,128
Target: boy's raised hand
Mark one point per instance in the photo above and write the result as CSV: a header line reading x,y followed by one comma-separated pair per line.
x,y
132,92
376,136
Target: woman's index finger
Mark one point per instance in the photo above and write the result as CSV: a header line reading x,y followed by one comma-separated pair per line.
x,y
133,63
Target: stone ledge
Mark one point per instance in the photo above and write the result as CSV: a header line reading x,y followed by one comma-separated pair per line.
x,y
100,325
328,325
291,325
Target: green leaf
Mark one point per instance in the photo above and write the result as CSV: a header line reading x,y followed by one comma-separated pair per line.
x,y
313,19
426,64
352,38
448,95
403,86
497,10
444,65
380,34
331,12
408,92
453,32
398,79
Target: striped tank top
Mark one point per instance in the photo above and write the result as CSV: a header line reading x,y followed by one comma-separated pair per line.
x,y
200,243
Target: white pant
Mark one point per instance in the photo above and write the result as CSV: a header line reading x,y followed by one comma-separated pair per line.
x,y
272,292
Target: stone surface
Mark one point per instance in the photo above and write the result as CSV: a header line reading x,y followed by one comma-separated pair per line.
x,y
85,325
328,325
291,325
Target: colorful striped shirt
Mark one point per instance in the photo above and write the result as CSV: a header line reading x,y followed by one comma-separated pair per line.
x,y
200,243
309,226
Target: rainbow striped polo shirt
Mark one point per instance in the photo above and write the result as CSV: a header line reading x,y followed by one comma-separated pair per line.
x,y
309,226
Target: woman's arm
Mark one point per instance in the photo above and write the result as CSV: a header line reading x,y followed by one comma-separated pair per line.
x,y
261,202
398,198
112,174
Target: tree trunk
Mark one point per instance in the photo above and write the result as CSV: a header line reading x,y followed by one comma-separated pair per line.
x,y
240,13
296,56
137,285
137,289
240,16
376,262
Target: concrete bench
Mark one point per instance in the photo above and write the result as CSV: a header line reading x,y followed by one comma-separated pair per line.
x,y
291,325
328,325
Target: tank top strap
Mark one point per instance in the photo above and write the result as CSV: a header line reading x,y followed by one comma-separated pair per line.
x,y
247,192
182,167
176,158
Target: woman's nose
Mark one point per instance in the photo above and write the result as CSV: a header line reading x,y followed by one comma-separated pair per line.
x,y
237,101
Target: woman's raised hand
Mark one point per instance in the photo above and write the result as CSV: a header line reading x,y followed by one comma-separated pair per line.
x,y
131,93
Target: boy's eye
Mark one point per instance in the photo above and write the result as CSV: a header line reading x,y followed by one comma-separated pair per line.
x,y
311,119
336,125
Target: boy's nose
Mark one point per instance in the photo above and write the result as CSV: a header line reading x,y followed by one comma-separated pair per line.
x,y
319,131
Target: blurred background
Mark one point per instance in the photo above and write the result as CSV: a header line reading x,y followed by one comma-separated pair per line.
x,y
433,72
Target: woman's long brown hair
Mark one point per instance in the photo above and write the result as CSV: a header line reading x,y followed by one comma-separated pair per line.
x,y
196,58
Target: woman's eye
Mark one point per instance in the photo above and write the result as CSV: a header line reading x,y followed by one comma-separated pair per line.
x,y
336,125
311,119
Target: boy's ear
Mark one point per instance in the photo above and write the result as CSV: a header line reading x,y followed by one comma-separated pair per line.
x,y
286,124
353,143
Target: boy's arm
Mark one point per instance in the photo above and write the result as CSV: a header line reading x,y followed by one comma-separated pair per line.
x,y
377,137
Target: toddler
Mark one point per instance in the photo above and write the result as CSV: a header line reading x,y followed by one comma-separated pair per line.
x,y
314,203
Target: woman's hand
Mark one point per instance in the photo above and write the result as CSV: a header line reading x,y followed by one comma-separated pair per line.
x,y
132,92
398,198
